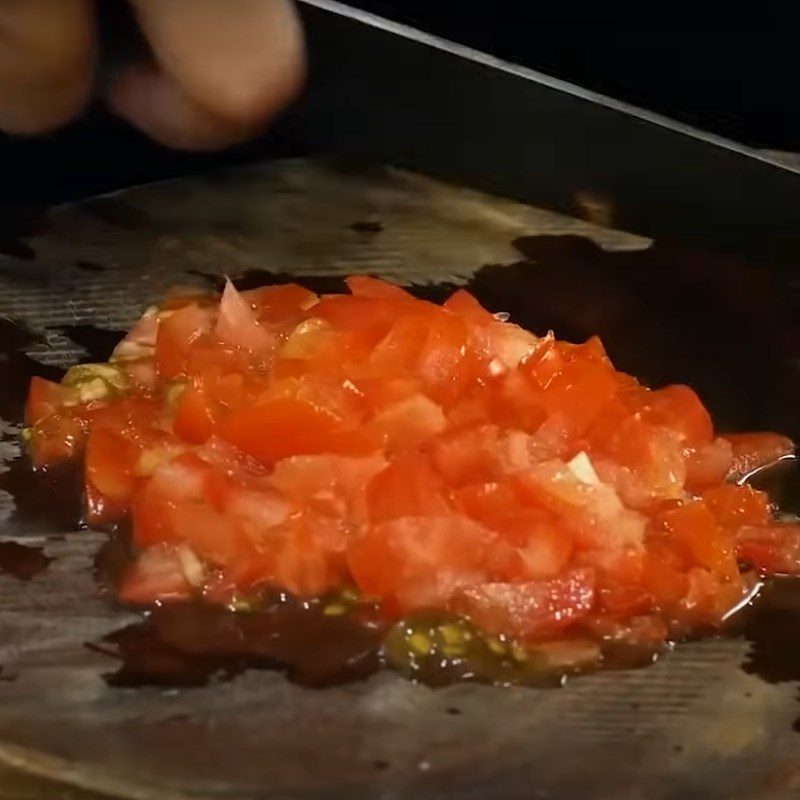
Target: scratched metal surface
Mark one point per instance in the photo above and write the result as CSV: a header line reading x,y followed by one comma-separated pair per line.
x,y
692,726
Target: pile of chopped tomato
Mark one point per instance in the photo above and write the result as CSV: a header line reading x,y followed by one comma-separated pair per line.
x,y
436,457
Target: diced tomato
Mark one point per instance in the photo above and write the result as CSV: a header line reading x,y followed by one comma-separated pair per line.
x,y
515,402
707,464
647,462
277,304
590,350
708,599
752,451
462,303
365,320
593,512
543,548
195,419
177,332
532,610
258,510
680,409
443,363
641,630
44,397
664,574
211,533
182,296
468,454
380,393
312,346
492,504
436,456
56,437
399,351
332,484
624,599
156,576
544,363
310,559
285,427
695,531
419,562
407,487
509,345
110,472
538,545
406,423
772,548
180,480
237,324
733,506
577,394
332,395
367,286
140,342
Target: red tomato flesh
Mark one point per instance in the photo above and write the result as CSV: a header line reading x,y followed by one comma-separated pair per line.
x,y
436,457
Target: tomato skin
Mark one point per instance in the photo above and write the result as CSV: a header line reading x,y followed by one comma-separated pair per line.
x,y
533,610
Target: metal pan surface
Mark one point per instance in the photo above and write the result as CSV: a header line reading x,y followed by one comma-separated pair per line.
x,y
694,725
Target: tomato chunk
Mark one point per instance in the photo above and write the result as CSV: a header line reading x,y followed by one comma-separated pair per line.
x,y
532,610
281,428
438,458
752,451
773,548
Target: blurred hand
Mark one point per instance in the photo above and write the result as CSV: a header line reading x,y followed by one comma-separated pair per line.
x,y
222,68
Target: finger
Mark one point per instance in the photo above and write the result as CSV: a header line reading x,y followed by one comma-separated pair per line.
x,y
224,70
158,105
46,62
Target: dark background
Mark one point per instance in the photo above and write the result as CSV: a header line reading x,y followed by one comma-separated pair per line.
x,y
735,75
733,72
